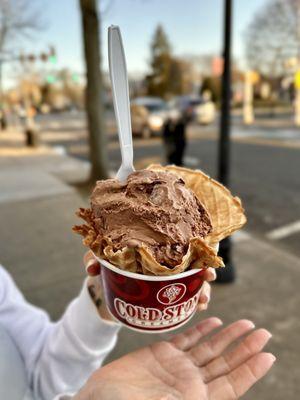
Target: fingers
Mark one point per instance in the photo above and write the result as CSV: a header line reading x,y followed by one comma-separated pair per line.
x,y
204,298
210,349
92,266
210,275
186,340
238,382
251,345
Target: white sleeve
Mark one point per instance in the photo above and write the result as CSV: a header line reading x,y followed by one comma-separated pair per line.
x,y
59,357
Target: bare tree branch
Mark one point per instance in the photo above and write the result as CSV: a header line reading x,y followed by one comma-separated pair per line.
x,y
273,36
17,20
106,8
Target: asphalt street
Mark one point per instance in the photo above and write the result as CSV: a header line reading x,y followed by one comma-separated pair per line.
x,y
265,165
45,259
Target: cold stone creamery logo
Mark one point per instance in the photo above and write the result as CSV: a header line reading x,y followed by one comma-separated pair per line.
x,y
171,294
153,317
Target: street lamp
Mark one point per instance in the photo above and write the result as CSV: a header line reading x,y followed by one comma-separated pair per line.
x,y
227,274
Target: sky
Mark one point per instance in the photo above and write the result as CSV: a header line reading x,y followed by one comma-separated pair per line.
x,y
193,27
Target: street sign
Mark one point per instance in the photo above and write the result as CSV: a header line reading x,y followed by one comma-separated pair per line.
x,y
217,66
252,77
297,80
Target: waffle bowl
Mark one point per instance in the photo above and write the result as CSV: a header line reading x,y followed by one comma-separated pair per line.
x,y
226,213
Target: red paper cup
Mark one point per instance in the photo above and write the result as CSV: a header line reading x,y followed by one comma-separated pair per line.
x,y
151,303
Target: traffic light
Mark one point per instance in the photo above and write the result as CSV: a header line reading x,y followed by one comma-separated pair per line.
x,y
52,55
44,57
50,78
75,77
31,58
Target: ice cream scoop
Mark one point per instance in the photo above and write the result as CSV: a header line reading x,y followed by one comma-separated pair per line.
x,y
161,221
151,208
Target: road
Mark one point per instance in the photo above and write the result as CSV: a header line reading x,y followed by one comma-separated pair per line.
x,y
264,171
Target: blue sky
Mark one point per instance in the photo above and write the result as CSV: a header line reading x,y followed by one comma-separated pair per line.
x,y
193,26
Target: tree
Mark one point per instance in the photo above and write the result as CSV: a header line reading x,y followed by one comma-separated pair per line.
x,y
273,37
94,105
169,75
70,88
179,77
17,20
212,84
161,60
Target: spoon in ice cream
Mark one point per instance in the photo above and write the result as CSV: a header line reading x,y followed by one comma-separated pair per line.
x,y
120,92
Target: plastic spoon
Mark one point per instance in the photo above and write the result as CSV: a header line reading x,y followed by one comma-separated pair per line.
x,y
119,83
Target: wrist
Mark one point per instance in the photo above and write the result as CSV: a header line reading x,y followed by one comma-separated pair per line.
x,y
96,294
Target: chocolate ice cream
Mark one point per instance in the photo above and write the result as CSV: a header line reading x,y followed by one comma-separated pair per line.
x,y
153,208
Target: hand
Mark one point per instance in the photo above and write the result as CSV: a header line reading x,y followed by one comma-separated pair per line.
x,y
93,269
186,369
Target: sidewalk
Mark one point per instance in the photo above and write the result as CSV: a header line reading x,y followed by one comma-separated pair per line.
x,y
37,205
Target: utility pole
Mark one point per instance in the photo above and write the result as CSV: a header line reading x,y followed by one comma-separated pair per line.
x,y
297,75
227,274
2,117
3,122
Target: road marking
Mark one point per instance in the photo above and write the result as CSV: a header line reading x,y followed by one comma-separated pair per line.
x,y
268,142
284,231
295,144
25,151
190,161
241,236
63,136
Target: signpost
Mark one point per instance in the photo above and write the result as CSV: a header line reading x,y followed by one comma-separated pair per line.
x,y
250,79
227,274
297,97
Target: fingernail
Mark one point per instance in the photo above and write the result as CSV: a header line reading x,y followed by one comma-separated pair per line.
x,y
250,323
92,267
204,298
273,358
89,264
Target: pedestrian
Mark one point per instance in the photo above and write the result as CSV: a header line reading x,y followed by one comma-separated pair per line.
x,y
174,136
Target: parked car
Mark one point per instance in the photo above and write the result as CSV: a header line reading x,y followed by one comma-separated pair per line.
x,y
148,115
195,108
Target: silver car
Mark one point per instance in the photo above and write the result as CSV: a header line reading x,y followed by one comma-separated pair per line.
x,y
148,115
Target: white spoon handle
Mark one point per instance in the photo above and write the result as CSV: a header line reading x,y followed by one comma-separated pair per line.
x,y
120,92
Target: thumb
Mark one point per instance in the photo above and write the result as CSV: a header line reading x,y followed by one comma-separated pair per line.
x,y
204,296
92,267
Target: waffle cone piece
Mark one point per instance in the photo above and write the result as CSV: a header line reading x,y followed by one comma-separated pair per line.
x,y
226,213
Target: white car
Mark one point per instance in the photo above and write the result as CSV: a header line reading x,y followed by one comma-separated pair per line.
x,y
205,113
195,108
